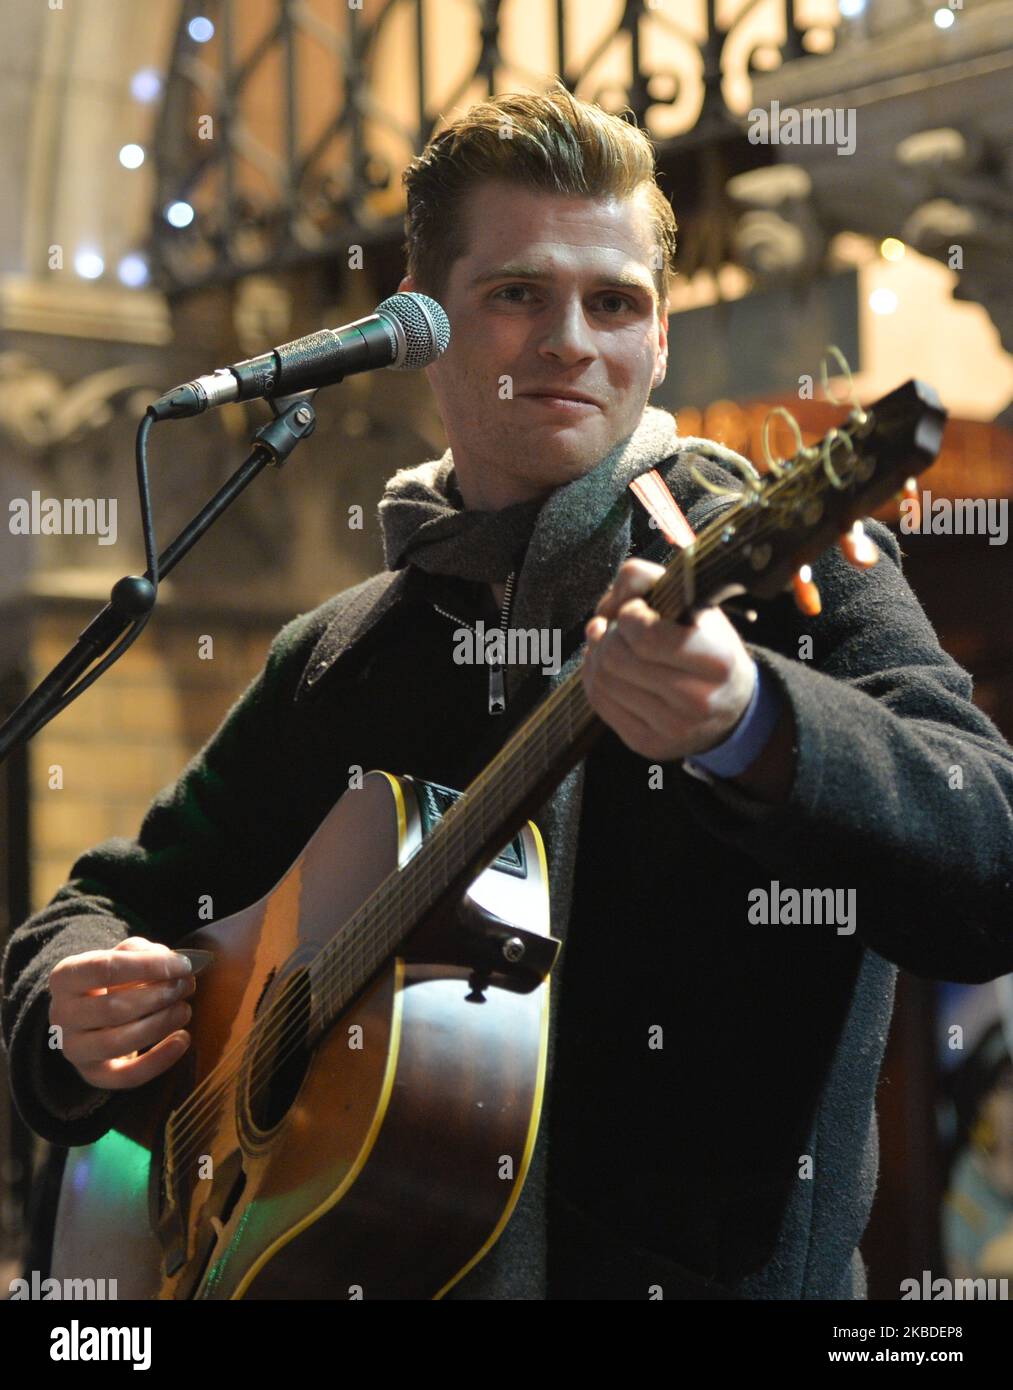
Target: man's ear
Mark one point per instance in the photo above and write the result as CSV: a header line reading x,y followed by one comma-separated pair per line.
x,y
661,367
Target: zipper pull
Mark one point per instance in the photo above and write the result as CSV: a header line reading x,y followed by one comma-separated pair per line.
x,y
497,688
497,692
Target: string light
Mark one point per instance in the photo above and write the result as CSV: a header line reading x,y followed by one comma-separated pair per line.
x,y
131,156
88,263
200,29
133,270
146,85
944,19
883,301
892,249
179,214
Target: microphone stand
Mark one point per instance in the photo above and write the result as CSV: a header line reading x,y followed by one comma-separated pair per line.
x,y
133,596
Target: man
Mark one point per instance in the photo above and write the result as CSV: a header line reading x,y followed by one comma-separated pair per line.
x,y
710,1128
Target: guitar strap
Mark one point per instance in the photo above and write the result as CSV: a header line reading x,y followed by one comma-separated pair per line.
x,y
652,490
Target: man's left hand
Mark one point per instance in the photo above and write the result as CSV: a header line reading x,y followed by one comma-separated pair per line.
x,y
667,689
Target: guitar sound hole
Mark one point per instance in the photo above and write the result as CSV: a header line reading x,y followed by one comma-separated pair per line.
x,y
281,1057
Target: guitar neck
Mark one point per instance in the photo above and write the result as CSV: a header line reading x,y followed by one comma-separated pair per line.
x,y
551,741
493,808
767,531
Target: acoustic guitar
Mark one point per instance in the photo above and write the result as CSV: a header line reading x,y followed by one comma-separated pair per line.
x,y
357,1109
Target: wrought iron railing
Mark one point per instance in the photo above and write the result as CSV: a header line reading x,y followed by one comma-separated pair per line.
x,y
287,142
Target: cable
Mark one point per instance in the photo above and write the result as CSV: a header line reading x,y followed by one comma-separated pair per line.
x,y
151,555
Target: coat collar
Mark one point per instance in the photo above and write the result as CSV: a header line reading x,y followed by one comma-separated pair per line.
x,y
360,615
365,613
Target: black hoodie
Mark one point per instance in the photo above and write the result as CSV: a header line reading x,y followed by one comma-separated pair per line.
x,y
738,1159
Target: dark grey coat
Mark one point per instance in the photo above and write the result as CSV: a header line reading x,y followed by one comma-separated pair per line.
x,y
686,1166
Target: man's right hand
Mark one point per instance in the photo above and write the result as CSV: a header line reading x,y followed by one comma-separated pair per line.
x,y
110,1004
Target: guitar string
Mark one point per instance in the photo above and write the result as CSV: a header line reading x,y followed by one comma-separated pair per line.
x,y
451,832
344,963
353,938
347,962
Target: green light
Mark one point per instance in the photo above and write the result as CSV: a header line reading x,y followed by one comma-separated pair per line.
x,y
114,1164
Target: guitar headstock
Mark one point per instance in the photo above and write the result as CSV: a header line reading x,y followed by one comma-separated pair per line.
x,y
786,519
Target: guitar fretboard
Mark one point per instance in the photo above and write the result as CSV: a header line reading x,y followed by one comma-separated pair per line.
x,y
493,807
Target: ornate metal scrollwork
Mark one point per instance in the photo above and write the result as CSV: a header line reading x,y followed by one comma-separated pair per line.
x,y
309,194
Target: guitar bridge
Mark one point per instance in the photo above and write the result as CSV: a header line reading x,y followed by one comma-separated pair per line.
x,y
501,953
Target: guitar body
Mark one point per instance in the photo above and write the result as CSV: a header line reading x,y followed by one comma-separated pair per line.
x,y
384,1160
356,1113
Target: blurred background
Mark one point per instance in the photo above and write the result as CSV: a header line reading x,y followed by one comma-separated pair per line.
x,y
185,184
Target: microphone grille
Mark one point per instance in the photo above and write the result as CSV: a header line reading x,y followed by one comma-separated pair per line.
x,y
425,325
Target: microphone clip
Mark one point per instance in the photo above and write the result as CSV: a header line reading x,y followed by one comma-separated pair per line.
x,y
294,420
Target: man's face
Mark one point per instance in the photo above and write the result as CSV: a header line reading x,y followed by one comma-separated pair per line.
x,y
554,293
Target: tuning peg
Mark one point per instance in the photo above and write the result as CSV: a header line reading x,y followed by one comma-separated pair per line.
x,y
858,548
807,596
910,493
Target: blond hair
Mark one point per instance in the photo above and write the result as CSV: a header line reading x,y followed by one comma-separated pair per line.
x,y
551,141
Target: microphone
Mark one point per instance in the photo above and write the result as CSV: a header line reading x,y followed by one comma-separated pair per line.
x,y
406,331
